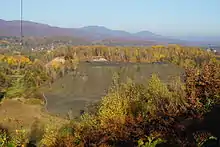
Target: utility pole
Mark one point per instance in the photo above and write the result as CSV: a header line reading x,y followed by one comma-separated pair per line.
x,y
21,23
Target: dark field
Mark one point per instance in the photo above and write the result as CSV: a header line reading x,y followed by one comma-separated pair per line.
x,y
92,80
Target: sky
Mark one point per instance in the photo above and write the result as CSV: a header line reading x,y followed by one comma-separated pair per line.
x,y
164,17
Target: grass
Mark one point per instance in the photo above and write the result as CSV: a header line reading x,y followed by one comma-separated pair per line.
x,y
15,114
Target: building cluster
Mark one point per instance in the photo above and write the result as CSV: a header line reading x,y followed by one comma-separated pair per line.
x,y
211,50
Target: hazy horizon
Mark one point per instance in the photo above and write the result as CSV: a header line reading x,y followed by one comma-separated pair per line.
x,y
169,18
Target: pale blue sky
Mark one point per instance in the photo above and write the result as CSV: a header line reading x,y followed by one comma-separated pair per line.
x,y
165,17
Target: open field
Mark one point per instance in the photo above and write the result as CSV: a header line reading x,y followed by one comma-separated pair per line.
x,y
92,80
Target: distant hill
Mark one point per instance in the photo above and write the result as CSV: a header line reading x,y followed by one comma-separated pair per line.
x,y
94,34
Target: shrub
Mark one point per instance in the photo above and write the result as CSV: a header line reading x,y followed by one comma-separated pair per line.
x,y
151,142
4,137
50,135
203,85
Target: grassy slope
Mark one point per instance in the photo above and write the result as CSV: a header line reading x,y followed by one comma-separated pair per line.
x,y
14,114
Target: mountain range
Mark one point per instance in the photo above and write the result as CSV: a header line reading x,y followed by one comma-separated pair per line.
x,y
97,34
